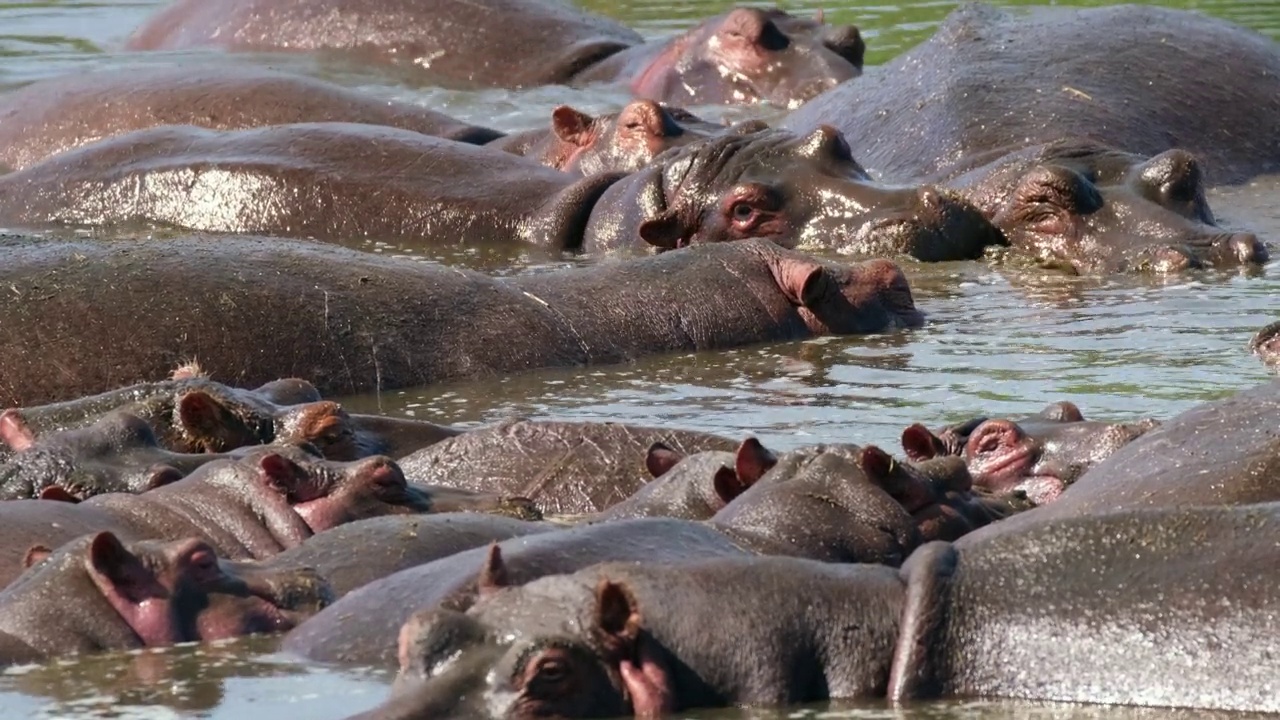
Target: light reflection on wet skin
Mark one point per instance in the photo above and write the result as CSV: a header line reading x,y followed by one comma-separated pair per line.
x,y
998,341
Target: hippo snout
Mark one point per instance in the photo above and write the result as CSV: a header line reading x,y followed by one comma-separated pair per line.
x,y
1247,248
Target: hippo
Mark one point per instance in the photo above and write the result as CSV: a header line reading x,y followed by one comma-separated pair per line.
x,y
1037,457
744,56
354,322
1119,608
51,116
118,453
995,78
834,503
1088,208
624,141
96,593
564,467
1225,452
1266,345
271,499
347,183
353,555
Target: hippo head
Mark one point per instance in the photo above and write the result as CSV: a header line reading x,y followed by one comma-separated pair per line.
x,y
793,190
1038,456
694,487
1265,344
326,494
563,646
154,593
118,453
751,55
1088,208
619,142
217,418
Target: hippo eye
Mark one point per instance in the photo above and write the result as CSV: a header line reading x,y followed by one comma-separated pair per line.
x,y
742,211
552,670
633,125
203,561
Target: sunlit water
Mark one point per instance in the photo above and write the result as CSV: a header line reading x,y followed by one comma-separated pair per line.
x,y
999,340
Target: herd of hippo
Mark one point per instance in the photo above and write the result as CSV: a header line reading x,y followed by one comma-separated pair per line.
x,y
198,482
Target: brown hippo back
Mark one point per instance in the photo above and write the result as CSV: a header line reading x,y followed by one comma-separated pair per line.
x,y
508,43
51,116
1143,79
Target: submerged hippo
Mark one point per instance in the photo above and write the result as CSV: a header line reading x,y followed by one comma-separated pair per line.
x,y
1037,456
271,499
564,467
350,183
1266,345
95,593
51,116
1225,452
354,322
834,503
1085,207
1131,76
624,141
744,56
1154,608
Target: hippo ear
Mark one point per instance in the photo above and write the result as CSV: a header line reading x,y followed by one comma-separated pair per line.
x,y
660,459
665,232
160,476
876,464
617,618
572,126
109,558
203,416
752,461
14,430
1063,411
189,370
284,476
727,485
920,444
58,494
802,280
36,554
493,574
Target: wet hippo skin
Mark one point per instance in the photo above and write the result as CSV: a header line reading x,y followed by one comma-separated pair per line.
x,y
1164,621
352,322
744,56
1135,77
51,116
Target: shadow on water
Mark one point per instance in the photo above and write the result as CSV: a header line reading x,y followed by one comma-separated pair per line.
x,y
999,340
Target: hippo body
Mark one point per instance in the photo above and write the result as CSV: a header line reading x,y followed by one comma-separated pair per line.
x,y
59,114
744,56
353,322
564,467
95,594
1225,452
996,78
835,503
344,182
254,507
1149,618
351,556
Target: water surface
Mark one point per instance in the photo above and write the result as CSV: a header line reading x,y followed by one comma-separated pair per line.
x,y
999,340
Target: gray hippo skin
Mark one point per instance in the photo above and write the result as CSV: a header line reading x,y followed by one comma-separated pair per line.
x,y
353,555
95,594
1148,618
1085,207
51,116
344,182
1134,77
564,467
271,499
1038,457
1225,452
624,141
353,322
834,503
744,56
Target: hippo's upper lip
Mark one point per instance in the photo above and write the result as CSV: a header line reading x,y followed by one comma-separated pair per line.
x,y
1004,473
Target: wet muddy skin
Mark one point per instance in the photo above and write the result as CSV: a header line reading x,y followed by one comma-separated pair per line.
x,y
1002,340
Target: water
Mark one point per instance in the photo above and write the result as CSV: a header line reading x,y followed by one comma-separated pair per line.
x,y
998,341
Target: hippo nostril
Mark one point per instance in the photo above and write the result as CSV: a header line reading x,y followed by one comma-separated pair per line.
x,y
991,436
1247,248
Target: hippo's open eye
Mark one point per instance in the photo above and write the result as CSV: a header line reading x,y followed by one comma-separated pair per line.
x,y
742,212
751,211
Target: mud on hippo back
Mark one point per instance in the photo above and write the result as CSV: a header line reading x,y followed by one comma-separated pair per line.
x,y
1136,77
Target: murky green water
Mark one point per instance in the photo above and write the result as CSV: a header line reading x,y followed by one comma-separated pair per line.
x,y
998,341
